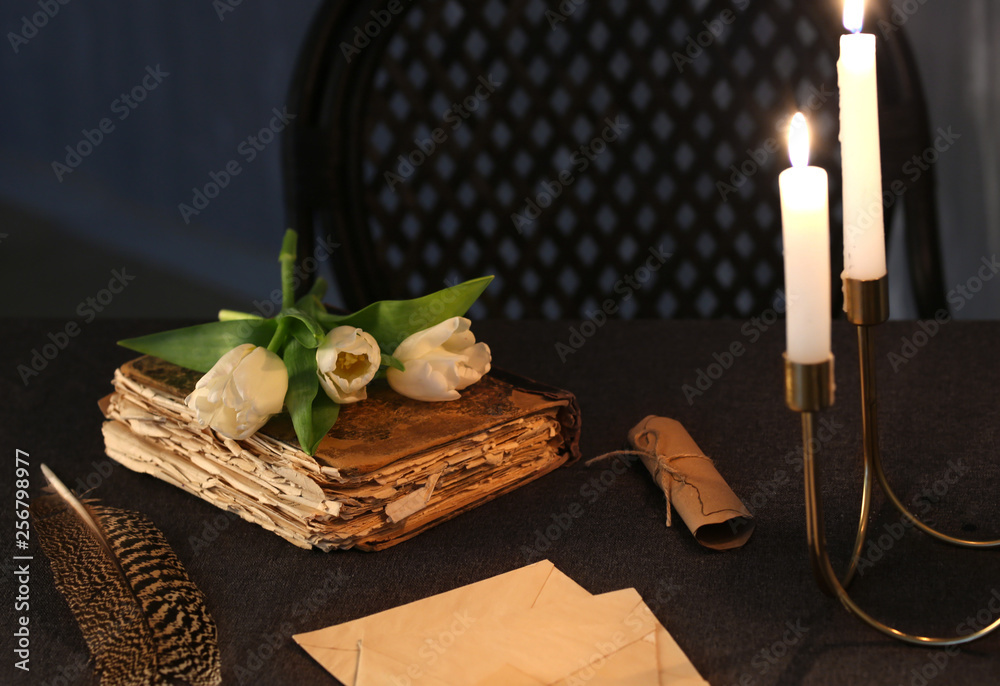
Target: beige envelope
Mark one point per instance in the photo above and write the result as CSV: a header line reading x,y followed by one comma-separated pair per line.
x,y
531,626
336,647
547,642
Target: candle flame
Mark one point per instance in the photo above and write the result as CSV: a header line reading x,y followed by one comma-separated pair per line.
x,y
854,15
798,141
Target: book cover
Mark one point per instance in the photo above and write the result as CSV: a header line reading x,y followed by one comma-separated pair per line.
x,y
390,468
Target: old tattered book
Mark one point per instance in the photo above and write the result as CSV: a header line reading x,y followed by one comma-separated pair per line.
x,y
390,468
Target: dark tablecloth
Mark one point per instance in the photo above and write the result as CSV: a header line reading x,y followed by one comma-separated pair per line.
x,y
748,616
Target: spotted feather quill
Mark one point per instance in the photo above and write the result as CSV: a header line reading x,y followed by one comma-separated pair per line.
x,y
144,620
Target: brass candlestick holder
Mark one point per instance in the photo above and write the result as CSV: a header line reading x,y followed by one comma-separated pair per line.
x,y
809,388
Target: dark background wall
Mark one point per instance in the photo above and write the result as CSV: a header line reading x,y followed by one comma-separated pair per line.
x,y
227,70
222,70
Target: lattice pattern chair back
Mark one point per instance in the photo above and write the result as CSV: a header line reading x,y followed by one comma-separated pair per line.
x,y
615,154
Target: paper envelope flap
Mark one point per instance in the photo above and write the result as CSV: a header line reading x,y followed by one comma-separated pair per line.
x,y
545,642
634,663
373,666
336,649
530,626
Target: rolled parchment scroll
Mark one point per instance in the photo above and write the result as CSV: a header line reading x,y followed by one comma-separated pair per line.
x,y
717,518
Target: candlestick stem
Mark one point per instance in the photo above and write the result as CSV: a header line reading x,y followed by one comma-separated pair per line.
x,y
826,578
815,528
809,389
867,304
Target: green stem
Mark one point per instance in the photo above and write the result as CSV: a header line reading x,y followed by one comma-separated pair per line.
x,y
280,334
235,315
289,247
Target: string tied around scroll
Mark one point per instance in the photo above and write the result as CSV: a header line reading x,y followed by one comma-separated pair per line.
x,y
656,462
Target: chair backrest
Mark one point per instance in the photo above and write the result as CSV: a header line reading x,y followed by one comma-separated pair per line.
x,y
619,155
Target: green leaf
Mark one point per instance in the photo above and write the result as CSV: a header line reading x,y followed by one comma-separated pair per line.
x,y
390,361
233,315
302,387
312,411
312,302
391,321
303,327
325,413
200,347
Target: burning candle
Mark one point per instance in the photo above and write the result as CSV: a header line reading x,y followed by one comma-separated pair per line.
x,y
805,222
864,231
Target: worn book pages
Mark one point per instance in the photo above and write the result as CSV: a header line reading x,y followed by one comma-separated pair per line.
x,y
390,468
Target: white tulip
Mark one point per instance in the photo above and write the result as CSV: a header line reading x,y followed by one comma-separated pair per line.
x,y
440,361
240,392
346,362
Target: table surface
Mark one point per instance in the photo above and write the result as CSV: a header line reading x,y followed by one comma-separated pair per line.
x,y
748,616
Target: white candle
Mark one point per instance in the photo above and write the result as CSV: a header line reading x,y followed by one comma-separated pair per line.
x,y
805,228
864,231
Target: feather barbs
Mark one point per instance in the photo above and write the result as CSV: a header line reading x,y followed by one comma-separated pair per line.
x,y
143,619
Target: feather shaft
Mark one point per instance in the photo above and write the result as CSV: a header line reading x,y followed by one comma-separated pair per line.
x,y
144,620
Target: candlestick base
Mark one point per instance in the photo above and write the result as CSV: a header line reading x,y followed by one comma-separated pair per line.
x,y
809,389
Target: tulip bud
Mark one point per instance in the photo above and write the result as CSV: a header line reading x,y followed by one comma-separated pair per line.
x,y
240,392
346,362
439,362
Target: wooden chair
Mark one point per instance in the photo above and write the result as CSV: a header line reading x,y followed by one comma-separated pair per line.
x,y
618,155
